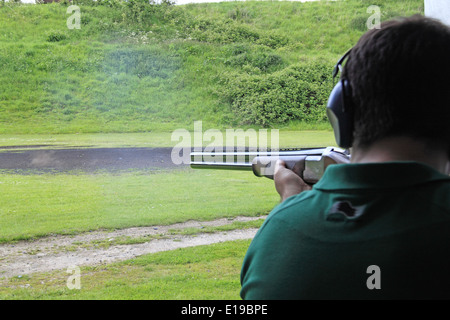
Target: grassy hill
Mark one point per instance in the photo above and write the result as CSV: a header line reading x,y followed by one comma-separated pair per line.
x,y
135,66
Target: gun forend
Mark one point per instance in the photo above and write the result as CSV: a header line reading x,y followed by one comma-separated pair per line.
x,y
310,164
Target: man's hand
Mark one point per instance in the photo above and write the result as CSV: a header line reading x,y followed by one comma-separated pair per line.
x,y
287,182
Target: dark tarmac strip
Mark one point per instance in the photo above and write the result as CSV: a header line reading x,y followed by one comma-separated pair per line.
x,y
87,160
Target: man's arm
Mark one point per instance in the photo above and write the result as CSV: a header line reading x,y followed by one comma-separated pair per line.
x,y
287,182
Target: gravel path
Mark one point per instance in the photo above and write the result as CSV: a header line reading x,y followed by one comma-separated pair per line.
x,y
61,252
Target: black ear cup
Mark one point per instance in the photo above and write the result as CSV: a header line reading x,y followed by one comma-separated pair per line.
x,y
340,115
340,108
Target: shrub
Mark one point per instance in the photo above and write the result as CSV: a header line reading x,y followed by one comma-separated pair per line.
x,y
264,61
230,31
299,92
56,36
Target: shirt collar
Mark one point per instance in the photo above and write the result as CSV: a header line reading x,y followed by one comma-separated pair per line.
x,y
377,175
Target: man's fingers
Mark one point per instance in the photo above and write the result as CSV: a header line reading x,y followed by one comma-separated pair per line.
x,y
278,165
287,182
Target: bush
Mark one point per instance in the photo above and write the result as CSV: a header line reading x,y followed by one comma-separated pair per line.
x,y
56,36
264,61
299,92
230,31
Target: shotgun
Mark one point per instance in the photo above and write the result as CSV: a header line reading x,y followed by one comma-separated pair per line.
x,y
309,164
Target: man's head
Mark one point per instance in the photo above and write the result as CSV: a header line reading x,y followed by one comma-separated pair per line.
x,y
400,82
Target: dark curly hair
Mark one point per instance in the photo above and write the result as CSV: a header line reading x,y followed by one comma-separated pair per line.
x,y
400,80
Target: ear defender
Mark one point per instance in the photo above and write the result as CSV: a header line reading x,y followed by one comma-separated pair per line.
x,y
340,108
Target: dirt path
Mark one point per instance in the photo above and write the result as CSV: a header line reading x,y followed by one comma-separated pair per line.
x,y
94,248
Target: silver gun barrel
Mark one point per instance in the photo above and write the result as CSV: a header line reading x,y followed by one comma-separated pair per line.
x,y
241,159
310,164
222,165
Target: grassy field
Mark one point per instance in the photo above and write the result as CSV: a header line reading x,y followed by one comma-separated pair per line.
x,y
135,67
130,76
287,139
38,205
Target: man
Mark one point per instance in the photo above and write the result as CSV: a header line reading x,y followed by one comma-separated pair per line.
x,y
379,227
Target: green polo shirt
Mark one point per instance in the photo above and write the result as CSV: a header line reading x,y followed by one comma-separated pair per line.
x,y
365,231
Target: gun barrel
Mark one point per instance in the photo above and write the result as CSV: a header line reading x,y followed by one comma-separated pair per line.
x,y
201,159
221,165
308,163
245,160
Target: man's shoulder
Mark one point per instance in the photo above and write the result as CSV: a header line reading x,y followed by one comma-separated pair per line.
x,y
428,192
296,210
437,194
303,200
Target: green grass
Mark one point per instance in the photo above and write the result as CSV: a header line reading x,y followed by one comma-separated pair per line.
x,y
136,68
38,205
198,273
287,138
